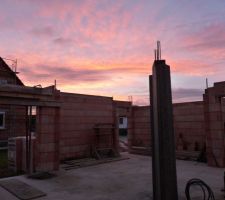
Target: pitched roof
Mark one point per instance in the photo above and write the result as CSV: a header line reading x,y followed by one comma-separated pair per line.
x,y
5,67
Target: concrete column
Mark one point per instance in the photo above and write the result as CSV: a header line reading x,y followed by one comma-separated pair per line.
x,y
215,124
163,144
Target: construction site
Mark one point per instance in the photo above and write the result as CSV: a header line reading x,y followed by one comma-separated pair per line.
x,y
65,144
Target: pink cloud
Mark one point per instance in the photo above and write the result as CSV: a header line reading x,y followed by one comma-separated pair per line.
x,y
208,41
192,67
46,31
104,43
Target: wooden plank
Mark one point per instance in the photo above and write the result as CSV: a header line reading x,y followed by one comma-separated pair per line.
x,y
21,189
95,162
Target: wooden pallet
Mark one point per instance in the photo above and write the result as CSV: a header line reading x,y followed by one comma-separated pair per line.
x,y
75,164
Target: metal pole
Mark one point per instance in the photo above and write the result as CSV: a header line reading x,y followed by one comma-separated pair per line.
x,y
27,130
29,139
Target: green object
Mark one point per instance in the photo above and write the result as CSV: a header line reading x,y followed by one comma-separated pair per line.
x,y
123,131
3,159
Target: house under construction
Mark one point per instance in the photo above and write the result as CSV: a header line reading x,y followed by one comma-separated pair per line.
x,y
41,127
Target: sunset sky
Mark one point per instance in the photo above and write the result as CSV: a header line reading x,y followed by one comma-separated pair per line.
x,y
105,47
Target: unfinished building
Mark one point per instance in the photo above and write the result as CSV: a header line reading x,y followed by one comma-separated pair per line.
x,y
56,126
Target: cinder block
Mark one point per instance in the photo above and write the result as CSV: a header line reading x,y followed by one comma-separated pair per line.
x,y
46,148
214,107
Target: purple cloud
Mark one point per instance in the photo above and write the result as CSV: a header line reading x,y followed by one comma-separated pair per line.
x,y
63,41
46,31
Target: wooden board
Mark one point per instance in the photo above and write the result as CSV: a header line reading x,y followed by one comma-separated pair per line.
x,y
21,190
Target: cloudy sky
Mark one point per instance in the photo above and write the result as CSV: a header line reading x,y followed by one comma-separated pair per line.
x,y
105,47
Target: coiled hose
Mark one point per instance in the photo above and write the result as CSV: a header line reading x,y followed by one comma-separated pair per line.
x,y
207,192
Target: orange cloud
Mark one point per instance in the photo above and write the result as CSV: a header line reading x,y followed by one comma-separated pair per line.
x,y
106,47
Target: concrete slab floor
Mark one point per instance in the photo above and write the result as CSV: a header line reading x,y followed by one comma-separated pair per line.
x,y
124,180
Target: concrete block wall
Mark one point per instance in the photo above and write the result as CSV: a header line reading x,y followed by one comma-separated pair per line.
x,y
141,126
215,129
188,126
15,121
47,147
79,114
223,110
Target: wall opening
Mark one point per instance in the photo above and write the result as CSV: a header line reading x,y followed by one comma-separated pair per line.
x,y
123,121
2,120
123,132
33,120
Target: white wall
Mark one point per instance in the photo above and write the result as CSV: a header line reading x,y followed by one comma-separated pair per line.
x,y
124,124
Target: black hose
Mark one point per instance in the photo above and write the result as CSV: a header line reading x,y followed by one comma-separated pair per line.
x,y
207,192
